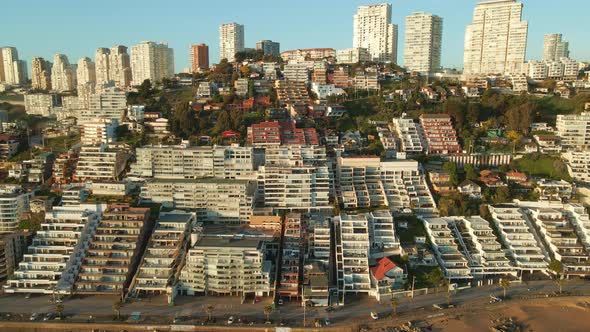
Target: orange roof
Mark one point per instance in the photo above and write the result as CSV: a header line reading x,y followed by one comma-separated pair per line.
x,y
383,266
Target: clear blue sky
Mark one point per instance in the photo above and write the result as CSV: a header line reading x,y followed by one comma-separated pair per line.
x,y
77,27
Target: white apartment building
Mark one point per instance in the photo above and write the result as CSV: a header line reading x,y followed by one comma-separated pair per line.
x,y
99,163
296,71
63,75
467,247
409,134
164,252
353,55
223,201
320,237
495,42
99,131
373,30
149,61
231,40
519,83
573,131
41,103
86,72
54,258
40,74
13,203
227,266
101,59
554,47
384,241
352,255
323,91
13,71
578,165
183,162
537,70
518,236
120,66
109,103
423,42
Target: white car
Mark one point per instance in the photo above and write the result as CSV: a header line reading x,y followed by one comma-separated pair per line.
x,y
280,301
374,315
230,320
34,316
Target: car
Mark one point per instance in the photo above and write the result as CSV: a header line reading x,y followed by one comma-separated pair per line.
x,y
178,319
374,315
327,321
230,320
34,316
280,301
49,316
28,296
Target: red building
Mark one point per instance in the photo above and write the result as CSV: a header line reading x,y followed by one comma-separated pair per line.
x,y
440,136
273,133
199,57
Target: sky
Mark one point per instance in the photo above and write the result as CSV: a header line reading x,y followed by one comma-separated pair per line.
x,y
78,27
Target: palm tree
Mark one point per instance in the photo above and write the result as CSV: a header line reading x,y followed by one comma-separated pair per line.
x,y
394,303
504,283
268,309
59,308
117,308
209,310
449,293
557,267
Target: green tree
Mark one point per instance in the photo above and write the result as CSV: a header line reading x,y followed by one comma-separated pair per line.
x,y
268,309
452,169
209,310
470,173
556,267
504,283
502,195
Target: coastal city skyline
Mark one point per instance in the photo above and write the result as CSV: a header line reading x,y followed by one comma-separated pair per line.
x,y
77,37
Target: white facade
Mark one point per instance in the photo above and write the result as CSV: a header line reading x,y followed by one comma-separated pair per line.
x,y
353,55
99,131
98,163
53,259
149,61
231,40
40,74
12,69
423,42
101,59
554,48
12,205
578,165
574,130
63,76
495,43
109,103
296,71
537,70
373,30
409,134
325,90
120,66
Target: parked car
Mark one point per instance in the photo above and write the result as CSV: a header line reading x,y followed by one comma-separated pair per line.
x,y
374,315
230,320
28,296
327,321
49,316
280,301
34,316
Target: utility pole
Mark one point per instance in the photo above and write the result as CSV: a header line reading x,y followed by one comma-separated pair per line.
x,y
413,280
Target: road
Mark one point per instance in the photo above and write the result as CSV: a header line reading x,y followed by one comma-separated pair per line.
x,y
356,311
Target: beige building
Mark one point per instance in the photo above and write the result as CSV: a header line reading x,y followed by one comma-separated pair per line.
x,y
40,74
151,61
231,40
495,42
554,47
423,42
63,76
373,30
13,71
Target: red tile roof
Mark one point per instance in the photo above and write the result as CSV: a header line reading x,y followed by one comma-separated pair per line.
x,y
383,266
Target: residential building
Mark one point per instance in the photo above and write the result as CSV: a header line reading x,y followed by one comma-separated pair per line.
x,y
409,135
99,163
110,188
53,260
384,242
386,277
274,133
12,249
151,61
296,71
231,40
115,250
353,55
366,80
554,48
110,103
352,255
228,266
289,284
63,75
574,131
373,30
40,74
466,247
308,54
316,284
14,71
86,73
516,233
222,201
99,131
8,146
291,92
241,87
199,57
578,165
119,67
423,43
14,202
164,253
320,237
269,47
439,135
495,42
102,63
537,70
183,162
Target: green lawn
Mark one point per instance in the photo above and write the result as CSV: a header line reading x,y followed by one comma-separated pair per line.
x,y
542,165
